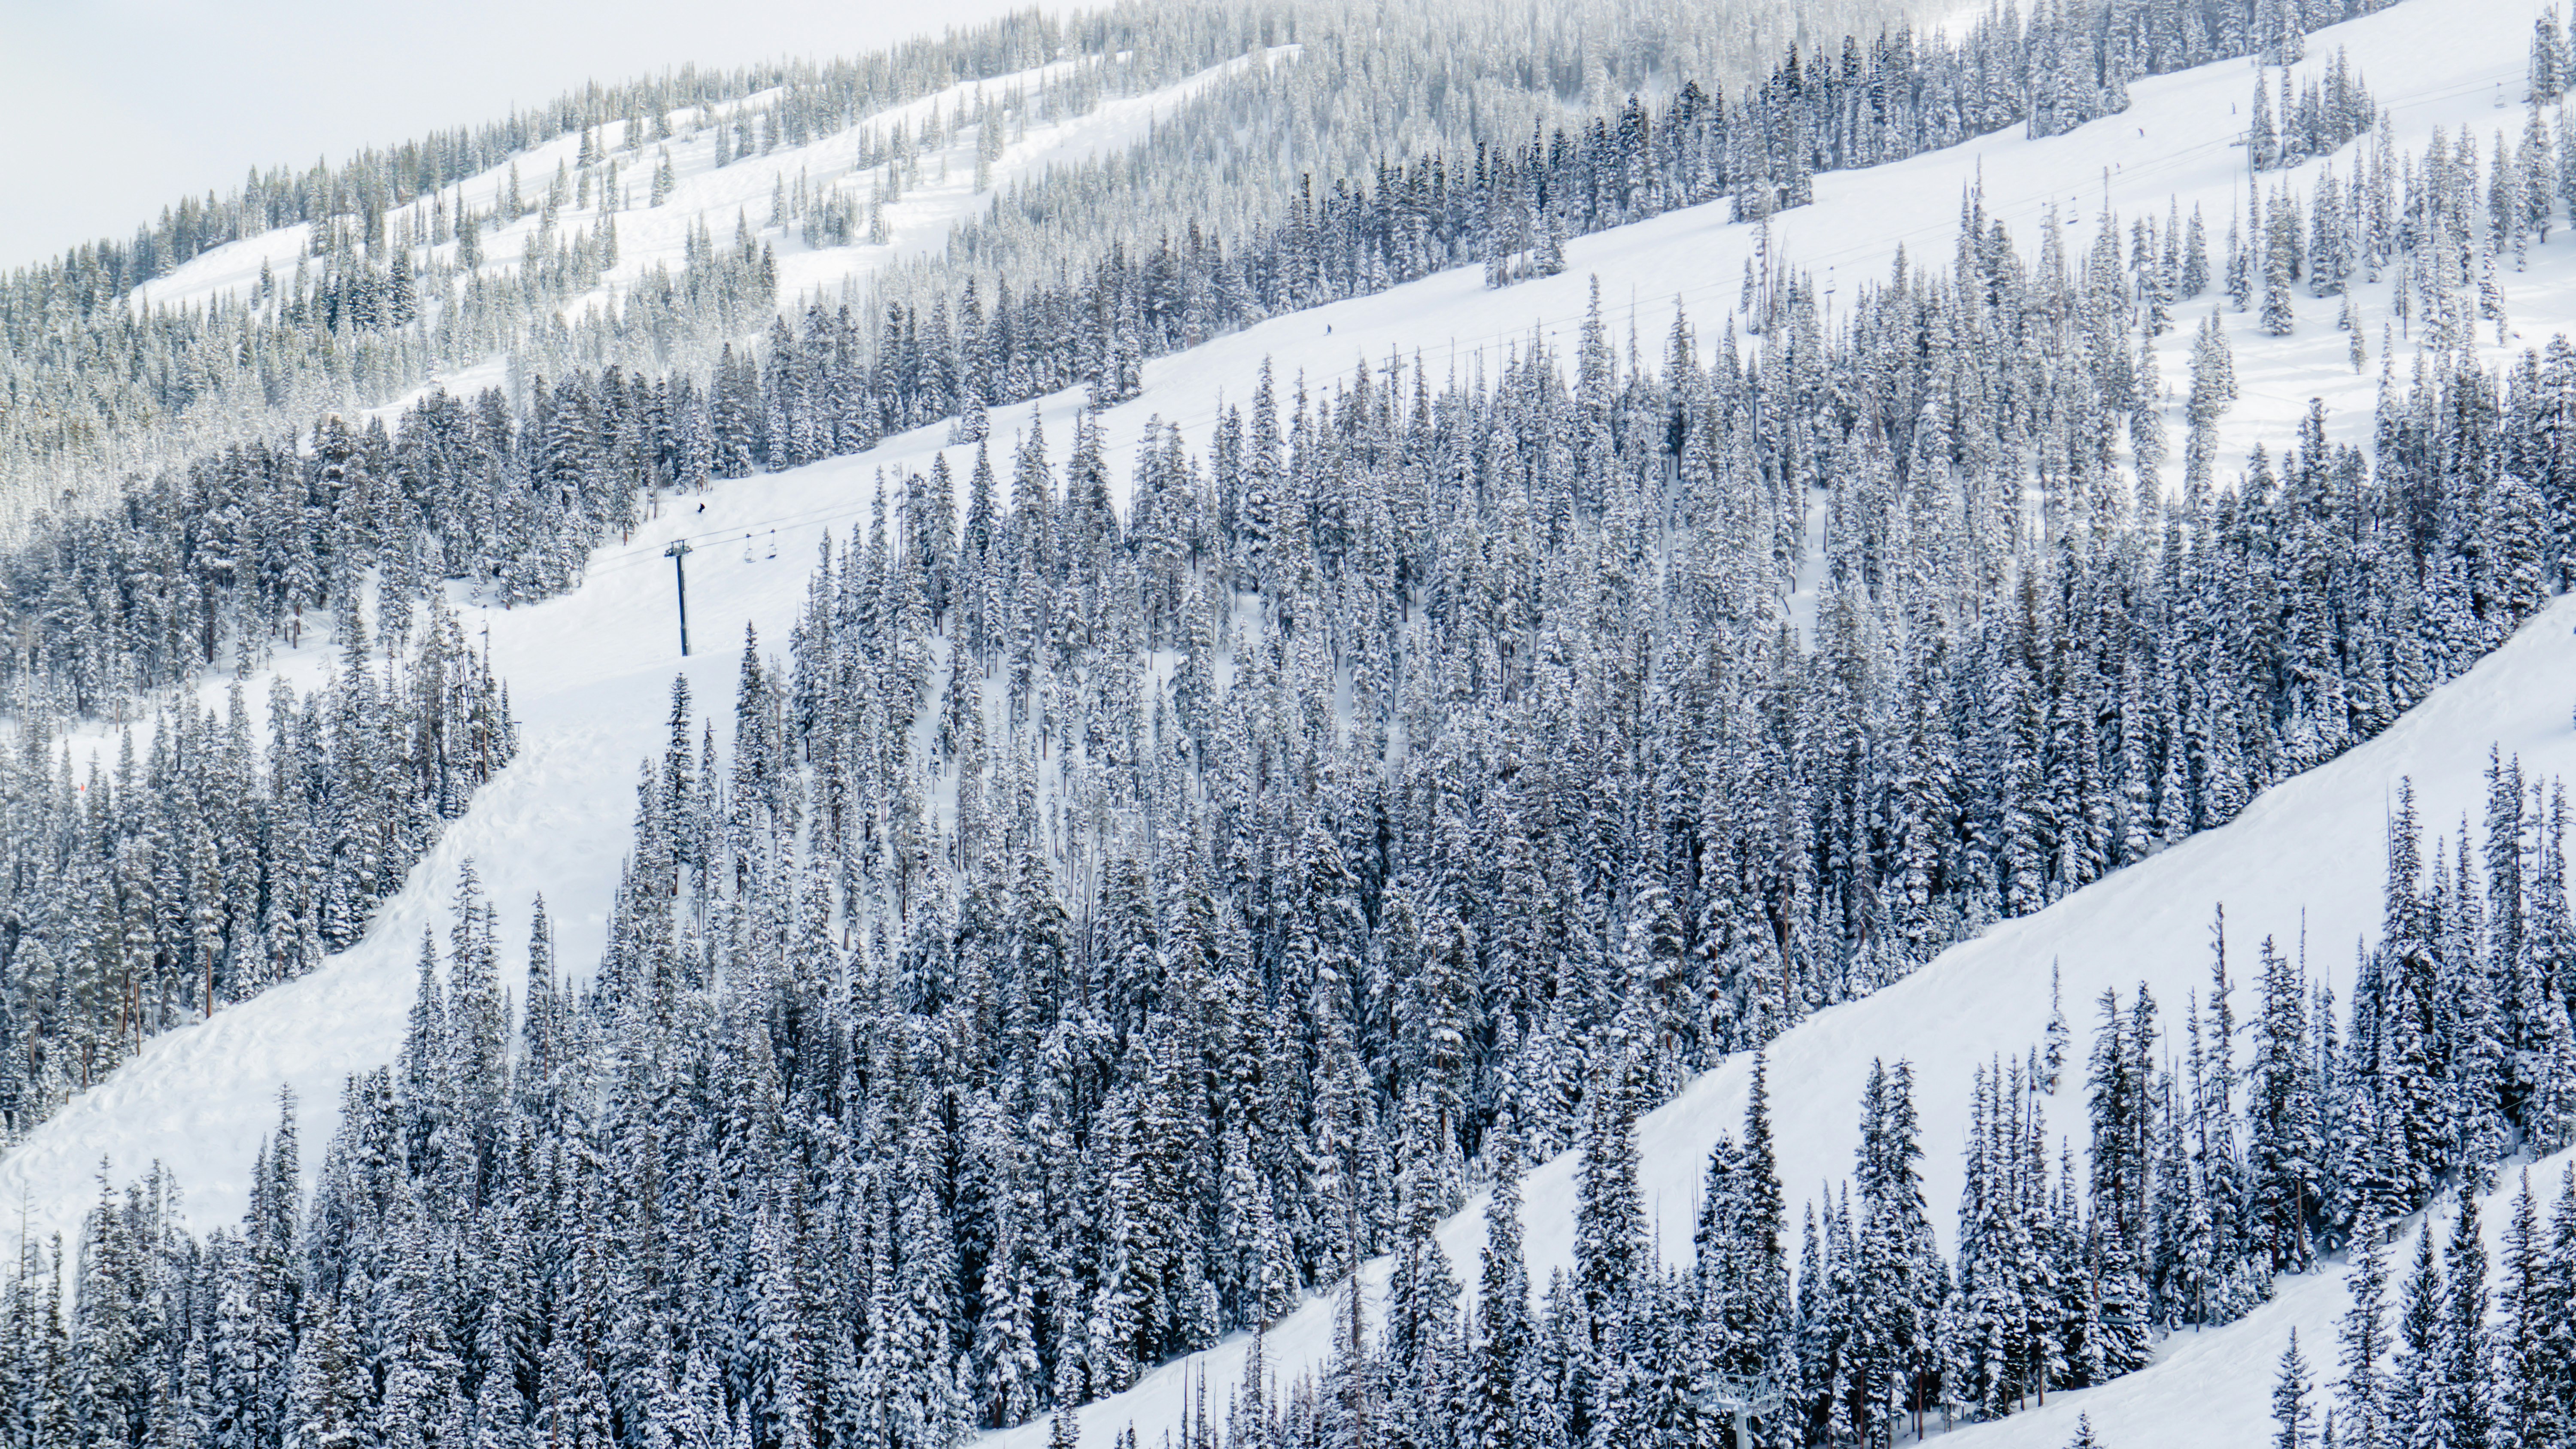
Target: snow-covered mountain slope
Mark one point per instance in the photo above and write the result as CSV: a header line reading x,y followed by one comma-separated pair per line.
x,y
2305,861
713,196
588,674
2215,1388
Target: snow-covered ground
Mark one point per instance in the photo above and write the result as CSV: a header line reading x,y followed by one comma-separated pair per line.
x,y
715,197
2429,63
2215,1388
588,675
2306,858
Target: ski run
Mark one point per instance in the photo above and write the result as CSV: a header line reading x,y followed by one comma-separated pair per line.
x,y
2302,866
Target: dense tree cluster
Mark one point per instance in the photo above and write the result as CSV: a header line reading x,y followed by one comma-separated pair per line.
x,y
404,289
215,566
516,501
68,326
1435,613
749,1198
220,856
2315,121
101,384
1107,926
1510,207
2464,1365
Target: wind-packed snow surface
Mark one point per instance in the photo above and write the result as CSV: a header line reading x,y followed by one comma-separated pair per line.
x,y
589,672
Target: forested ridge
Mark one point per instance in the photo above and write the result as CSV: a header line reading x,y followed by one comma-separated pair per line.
x,y
213,564
1106,924
447,253
1107,927
1379,155
218,855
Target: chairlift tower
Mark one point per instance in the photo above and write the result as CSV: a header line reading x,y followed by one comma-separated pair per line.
x,y
1744,1398
678,554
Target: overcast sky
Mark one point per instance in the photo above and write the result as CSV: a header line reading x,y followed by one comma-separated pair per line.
x,y
124,106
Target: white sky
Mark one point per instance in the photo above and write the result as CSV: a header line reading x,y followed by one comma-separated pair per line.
x,y
126,105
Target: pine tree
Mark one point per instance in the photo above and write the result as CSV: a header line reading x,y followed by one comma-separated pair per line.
x,y
1901,1279
2058,1036
2462,1372
2279,247
2523,1407
2286,1153
2293,1420
1501,1415
1609,1220
2364,1389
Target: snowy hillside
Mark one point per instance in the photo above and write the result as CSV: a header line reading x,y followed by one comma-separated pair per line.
x,y
2305,862
589,672
2216,1387
704,193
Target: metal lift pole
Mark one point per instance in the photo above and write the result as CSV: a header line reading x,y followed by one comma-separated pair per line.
x,y
678,554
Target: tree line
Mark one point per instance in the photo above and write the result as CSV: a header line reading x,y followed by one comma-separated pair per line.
x,y
224,853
